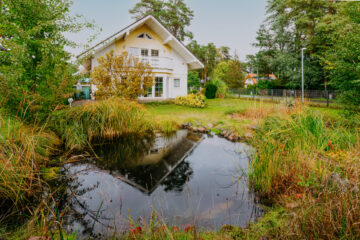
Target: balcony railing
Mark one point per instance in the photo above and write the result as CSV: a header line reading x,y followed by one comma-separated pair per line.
x,y
159,62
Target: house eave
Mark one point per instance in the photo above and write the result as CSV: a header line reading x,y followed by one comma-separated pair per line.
x,y
167,37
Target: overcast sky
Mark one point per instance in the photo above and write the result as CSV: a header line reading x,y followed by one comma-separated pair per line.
x,y
232,23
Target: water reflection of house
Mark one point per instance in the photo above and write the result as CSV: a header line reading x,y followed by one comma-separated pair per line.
x,y
167,153
253,78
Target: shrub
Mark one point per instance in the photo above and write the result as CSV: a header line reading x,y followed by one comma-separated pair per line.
x,y
210,90
192,100
101,121
221,87
194,91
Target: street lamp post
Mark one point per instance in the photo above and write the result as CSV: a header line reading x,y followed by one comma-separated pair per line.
x,y
302,74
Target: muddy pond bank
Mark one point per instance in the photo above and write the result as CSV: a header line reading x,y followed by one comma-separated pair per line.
x,y
187,179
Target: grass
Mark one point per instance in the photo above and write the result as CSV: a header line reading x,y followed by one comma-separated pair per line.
x,y
307,162
101,121
24,151
216,112
25,154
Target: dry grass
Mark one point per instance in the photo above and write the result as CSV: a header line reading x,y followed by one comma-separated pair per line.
x,y
24,151
310,165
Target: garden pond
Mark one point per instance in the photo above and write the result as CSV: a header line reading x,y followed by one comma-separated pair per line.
x,y
184,180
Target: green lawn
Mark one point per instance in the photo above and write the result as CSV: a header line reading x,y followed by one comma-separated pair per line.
x,y
217,113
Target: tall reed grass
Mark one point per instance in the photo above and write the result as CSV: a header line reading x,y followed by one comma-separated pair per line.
x,y
101,121
309,164
24,151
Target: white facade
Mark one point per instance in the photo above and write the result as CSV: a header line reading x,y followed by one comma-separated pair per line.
x,y
148,40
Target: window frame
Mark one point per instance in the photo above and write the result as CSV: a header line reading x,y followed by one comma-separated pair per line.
x,y
143,50
159,87
155,51
177,82
132,51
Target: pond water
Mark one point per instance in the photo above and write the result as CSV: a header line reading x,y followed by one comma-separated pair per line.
x,y
187,179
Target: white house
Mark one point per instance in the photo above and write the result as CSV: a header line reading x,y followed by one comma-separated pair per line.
x,y
149,40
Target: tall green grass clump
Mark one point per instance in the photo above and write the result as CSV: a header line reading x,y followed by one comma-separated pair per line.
x,y
310,166
100,122
287,149
24,151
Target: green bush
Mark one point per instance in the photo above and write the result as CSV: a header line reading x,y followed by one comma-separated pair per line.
x,y
191,100
221,87
210,90
194,91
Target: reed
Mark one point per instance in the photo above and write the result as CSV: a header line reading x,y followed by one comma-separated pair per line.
x,y
102,121
24,151
309,165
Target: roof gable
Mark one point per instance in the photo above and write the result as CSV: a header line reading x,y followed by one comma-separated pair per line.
x,y
160,30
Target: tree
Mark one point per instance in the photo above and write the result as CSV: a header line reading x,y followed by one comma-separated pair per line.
x,y
207,54
36,71
290,26
174,14
235,76
230,72
122,76
341,57
194,79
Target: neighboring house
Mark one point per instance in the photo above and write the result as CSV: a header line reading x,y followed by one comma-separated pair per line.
x,y
151,42
252,78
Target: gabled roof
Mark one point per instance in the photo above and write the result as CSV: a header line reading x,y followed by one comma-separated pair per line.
x,y
161,31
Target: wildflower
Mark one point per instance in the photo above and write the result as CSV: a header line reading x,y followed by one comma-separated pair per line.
x,y
136,230
175,229
330,144
189,229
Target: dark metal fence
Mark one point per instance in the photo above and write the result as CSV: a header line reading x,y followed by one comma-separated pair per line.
x,y
315,96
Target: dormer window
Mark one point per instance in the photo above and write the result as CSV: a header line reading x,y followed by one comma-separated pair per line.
x,y
145,35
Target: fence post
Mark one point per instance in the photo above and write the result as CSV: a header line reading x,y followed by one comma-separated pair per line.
x,y
272,94
239,92
327,98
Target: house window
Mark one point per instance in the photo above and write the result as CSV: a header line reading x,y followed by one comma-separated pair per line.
x,y
144,52
154,53
145,35
134,51
177,83
158,87
149,92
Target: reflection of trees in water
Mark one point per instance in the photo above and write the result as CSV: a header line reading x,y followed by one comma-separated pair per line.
x,y
122,152
72,203
178,178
